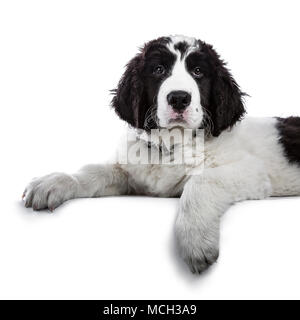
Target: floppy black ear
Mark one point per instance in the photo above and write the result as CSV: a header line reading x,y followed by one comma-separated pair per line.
x,y
226,99
128,96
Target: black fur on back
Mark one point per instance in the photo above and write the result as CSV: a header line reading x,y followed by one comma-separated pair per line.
x,y
289,137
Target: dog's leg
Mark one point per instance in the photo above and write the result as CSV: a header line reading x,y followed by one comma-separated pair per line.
x,y
50,191
205,198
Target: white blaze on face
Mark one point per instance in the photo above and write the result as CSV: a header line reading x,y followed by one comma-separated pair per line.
x,y
179,80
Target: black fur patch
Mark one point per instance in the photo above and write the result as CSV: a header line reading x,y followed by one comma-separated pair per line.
x,y
221,97
135,97
289,137
182,47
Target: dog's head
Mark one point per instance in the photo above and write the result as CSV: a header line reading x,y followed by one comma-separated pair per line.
x,y
178,82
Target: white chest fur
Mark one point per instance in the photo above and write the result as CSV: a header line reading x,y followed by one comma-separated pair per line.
x,y
160,168
254,142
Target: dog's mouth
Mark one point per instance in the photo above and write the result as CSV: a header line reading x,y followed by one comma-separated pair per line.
x,y
177,116
179,119
178,122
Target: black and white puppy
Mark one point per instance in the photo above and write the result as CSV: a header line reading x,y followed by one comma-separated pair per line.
x,y
180,83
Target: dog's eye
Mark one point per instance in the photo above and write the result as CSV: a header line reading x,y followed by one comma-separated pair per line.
x,y
197,72
159,70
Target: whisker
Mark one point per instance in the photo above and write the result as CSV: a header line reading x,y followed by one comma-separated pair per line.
x,y
207,121
151,117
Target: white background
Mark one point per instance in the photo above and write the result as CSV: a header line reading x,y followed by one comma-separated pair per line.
x,y
58,61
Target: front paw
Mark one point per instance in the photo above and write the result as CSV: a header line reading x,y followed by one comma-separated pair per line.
x,y
50,191
198,246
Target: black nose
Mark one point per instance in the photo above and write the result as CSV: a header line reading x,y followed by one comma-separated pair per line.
x,y
179,100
